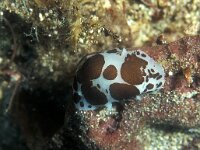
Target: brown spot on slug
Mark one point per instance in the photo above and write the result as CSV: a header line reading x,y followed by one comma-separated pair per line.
x,y
75,84
150,86
143,55
98,86
110,72
76,98
93,95
81,104
159,77
147,79
112,51
132,70
153,75
158,85
152,70
123,91
91,68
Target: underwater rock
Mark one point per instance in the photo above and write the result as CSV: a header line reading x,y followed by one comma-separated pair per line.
x,y
177,105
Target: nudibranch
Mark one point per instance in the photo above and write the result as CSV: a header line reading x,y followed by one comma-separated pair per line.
x,y
114,76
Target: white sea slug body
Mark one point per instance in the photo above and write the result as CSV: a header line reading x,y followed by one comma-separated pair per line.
x,y
115,76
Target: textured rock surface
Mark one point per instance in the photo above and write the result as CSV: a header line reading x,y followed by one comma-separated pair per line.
x,y
174,110
41,42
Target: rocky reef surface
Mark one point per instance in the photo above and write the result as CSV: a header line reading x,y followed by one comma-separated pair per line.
x,y
173,113
41,42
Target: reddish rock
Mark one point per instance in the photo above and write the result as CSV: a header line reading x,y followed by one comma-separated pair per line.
x,y
177,104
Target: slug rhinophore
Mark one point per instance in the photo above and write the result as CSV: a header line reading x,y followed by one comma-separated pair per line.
x,y
114,76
